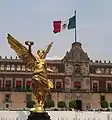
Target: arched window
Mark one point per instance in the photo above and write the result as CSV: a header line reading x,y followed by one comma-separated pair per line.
x,y
23,68
98,70
2,67
28,70
12,67
8,67
18,68
102,70
110,71
107,71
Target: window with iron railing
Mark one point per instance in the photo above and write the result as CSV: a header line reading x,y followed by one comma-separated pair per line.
x,y
18,84
95,86
28,85
77,84
0,83
8,84
109,86
58,85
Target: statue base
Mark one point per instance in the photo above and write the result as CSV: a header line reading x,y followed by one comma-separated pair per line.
x,y
38,116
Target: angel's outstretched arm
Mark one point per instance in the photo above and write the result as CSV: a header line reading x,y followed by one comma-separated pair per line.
x,y
49,70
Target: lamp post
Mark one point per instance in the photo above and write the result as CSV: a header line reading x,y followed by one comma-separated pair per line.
x,y
29,43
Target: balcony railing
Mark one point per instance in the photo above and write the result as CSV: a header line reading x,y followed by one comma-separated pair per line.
x,y
15,89
78,90
101,90
29,90
57,90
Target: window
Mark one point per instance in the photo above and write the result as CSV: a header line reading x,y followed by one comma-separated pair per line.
x,y
13,67
2,67
67,81
109,85
77,84
7,105
23,68
0,83
107,71
110,71
28,84
18,67
102,70
53,68
95,86
58,85
77,69
8,84
7,67
98,71
18,84
29,70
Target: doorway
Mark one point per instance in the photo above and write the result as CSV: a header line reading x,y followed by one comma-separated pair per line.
x,y
7,106
79,104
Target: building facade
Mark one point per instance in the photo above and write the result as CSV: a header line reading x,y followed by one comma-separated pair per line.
x,y
75,77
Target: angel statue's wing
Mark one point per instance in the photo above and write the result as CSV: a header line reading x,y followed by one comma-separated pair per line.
x,y
47,49
22,52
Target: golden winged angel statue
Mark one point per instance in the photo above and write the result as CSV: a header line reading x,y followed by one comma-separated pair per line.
x,y
40,83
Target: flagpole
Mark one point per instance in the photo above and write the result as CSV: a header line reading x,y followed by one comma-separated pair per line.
x,y
75,28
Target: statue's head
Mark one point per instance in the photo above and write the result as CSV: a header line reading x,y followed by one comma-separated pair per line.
x,y
41,52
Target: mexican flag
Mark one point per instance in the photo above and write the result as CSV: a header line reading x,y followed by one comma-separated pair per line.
x,y
62,25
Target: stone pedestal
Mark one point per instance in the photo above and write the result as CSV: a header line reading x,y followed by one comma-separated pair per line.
x,y
38,116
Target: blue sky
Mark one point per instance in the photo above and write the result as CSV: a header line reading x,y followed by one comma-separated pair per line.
x,y
32,20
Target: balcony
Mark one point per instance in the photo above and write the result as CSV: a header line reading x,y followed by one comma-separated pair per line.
x,y
57,74
58,90
15,90
101,91
78,90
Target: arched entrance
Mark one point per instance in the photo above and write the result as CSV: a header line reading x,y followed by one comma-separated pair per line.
x,y
79,104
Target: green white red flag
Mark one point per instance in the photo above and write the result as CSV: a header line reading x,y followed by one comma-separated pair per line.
x,y
61,25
